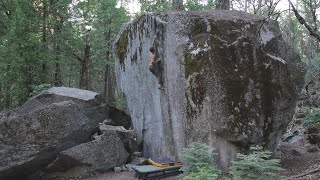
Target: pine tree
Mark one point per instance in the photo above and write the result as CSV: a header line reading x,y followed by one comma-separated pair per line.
x,y
256,165
198,159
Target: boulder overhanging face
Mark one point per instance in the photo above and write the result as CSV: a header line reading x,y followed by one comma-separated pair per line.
x,y
230,81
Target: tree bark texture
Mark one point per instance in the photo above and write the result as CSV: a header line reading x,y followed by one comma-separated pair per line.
x,y
84,79
109,79
223,4
177,5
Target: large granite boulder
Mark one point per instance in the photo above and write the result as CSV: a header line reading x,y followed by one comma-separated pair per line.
x,y
99,155
47,124
229,78
89,102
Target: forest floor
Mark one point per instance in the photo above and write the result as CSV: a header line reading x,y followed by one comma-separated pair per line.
x,y
299,159
298,164
124,175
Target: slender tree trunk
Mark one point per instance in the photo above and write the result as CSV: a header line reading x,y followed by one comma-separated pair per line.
x,y
259,7
107,68
6,91
56,47
7,97
56,52
245,5
84,79
44,37
177,5
223,4
109,80
28,82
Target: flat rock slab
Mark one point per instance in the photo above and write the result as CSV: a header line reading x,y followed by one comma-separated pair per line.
x,y
73,92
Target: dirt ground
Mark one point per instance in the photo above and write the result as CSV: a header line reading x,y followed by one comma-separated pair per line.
x,y
299,164
126,175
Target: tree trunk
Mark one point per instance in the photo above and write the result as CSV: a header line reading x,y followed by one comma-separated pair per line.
x,y
56,51
177,5
223,4
84,79
44,33
44,66
6,90
245,5
109,79
56,47
259,11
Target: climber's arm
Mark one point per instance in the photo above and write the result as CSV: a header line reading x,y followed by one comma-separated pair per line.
x,y
152,58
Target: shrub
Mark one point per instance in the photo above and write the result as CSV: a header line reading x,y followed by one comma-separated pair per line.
x,y
256,165
37,89
120,100
198,159
311,118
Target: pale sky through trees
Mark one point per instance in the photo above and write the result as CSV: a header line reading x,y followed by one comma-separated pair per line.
x,y
133,6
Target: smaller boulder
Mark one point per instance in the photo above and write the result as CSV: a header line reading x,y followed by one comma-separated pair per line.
x,y
127,136
312,149
287,136
129,167
124,168
296,140
117,169
101,155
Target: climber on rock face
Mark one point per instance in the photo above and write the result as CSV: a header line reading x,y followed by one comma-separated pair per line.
x,y
155,66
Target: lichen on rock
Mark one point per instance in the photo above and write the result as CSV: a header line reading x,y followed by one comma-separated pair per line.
x,y
230,81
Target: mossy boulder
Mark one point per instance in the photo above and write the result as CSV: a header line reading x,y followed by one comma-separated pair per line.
x,y
230,81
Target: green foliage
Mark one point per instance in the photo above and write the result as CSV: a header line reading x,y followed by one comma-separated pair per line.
x,y
155,6
196,5
120,100
38,40
256,165
36,89
165,5
199,165
311,118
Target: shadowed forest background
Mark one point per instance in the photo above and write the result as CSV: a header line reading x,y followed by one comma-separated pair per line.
x,y
46,43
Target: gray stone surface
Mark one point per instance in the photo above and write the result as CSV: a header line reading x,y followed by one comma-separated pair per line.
x,y
139,161
47,124
229,80
126,136
100,155
117,169
88,102
73,93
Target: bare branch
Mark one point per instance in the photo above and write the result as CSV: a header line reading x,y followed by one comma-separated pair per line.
x,y
303,22
304,174
78,57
